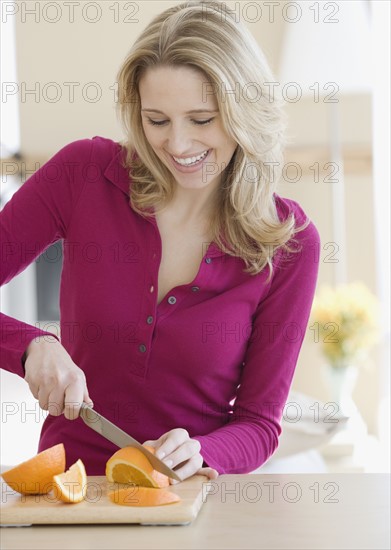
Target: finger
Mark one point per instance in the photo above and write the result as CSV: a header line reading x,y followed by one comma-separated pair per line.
x,y
161,446
150,443
87,399
183,453
56,402
73,400
42,397
211,473
170,441
189,468
34,389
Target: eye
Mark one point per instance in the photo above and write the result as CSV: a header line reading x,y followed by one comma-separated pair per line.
x,y
203,122
197,122
156,122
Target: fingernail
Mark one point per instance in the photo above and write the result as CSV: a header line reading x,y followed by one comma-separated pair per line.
x,y
168,463
160,454
174,481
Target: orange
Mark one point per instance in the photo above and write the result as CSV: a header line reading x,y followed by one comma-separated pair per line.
x,y
143,496
35,476
70,486
129,465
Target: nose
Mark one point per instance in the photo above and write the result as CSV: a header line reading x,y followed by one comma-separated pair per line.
x,y
179,139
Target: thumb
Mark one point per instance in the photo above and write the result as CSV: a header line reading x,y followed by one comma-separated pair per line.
x,y
211,473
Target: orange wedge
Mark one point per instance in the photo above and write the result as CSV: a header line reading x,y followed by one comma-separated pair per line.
x,y
70,486
129,465
143,496
35,476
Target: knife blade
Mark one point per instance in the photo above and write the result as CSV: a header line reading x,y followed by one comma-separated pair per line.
x,y
117,436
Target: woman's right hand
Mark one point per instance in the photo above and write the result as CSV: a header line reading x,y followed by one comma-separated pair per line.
x,y
54,379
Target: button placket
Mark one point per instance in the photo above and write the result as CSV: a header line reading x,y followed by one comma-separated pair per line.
x,y
146,332
182,292
149,313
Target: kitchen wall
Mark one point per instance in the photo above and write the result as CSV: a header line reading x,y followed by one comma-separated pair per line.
x,y
89,54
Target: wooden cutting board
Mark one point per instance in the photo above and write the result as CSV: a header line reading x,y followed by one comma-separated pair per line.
x,y
17,509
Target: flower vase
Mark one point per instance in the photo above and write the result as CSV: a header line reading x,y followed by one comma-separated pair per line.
x,y
341,382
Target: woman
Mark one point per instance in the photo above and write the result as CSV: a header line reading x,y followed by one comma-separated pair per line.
x,y
187,280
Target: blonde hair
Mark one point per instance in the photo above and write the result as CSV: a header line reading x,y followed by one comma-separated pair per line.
x,y
204,36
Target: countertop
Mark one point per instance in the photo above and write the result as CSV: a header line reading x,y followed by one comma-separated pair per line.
x,y
329,511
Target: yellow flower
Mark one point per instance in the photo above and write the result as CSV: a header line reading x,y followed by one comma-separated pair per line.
x,y
346,320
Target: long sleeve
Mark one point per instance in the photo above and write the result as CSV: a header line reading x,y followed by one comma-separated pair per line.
x,y
280,321
215,356
37,216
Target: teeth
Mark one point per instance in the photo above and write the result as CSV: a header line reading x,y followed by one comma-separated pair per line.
x,y
191,160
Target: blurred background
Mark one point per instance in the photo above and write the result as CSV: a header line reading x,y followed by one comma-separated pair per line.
x,y
331,60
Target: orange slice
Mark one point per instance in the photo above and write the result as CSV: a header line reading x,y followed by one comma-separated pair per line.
x,y
35,476
129,465
70,486
143,496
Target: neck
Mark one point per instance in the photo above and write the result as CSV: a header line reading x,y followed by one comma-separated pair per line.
x,y
192,207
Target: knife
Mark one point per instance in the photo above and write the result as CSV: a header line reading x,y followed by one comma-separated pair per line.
x,y
117,436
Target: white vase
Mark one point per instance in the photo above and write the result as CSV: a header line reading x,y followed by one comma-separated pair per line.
x,y
341,382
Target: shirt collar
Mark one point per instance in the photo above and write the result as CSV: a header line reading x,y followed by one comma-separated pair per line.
x,y
116,173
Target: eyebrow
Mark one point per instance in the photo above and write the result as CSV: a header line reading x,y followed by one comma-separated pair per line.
x,y
188,112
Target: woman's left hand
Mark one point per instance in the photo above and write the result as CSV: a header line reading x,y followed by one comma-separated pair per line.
x,y
177,447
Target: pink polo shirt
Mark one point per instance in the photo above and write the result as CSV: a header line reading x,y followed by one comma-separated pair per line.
x,y
216,356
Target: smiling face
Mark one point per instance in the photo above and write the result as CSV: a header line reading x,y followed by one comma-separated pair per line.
x,y
192,145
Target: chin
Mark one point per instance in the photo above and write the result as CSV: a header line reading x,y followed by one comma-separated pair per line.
x,y
192,184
